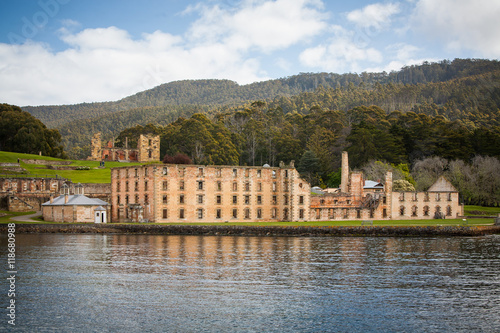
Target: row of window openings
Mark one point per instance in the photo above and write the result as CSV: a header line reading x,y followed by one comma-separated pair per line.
x,y
426,211
246,198
348,202
136,171
200,186
332,213
218,199
246,213
414,196
218,172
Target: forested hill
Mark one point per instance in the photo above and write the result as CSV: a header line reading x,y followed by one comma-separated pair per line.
x,y
217,93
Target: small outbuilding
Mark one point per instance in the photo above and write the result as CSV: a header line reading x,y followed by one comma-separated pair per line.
x,y
75,207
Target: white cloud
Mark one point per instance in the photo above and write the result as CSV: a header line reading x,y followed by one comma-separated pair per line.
x,y
265,25
376,15
107,63
461,24
344,53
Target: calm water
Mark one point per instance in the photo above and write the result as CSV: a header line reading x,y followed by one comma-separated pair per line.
x,y
150,283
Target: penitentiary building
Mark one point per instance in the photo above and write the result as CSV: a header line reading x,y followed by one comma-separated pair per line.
x,y
197,193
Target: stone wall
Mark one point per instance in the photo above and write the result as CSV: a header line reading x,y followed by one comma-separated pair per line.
x,y
27,194
425,205
70,214
25,202
148,148
180,193
45,162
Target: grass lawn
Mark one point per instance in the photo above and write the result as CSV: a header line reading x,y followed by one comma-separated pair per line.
x,y
6,218
94,175
479,210
450,222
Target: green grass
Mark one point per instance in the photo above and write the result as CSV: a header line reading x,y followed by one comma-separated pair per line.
x,y
94,175
453,222
8,157
447,222
479,210
7,218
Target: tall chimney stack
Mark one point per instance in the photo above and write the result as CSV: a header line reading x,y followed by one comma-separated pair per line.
x,y
345,173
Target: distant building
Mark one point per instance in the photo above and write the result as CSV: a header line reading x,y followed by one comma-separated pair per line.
x,y
75,207
360,199
22,193
148,150
196,193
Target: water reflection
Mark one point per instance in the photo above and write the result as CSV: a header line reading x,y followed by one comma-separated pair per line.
x,y
273,284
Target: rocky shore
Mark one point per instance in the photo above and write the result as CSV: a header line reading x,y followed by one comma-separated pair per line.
x,y
226,230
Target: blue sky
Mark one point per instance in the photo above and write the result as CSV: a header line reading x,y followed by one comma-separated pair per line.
x,y
72,51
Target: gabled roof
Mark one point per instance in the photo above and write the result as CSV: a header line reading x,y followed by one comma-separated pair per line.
x,y
373,185
75,200
442,185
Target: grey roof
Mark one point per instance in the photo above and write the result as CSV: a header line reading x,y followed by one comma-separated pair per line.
x,y
372,184
317,190
100,208
75,200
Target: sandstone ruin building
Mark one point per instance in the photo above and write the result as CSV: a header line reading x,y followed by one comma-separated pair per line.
x,y
148,150
195,193
360,199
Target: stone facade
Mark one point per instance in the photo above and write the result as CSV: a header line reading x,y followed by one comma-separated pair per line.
x,y
23,194
195,193
74,207
148,150
355,200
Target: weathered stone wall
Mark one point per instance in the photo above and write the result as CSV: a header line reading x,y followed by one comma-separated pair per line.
x,y
25,202
32,192
96,148
191,193
45,162
30,185
148,148
425,205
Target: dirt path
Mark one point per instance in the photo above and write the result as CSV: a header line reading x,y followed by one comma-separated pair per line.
x,y
26,218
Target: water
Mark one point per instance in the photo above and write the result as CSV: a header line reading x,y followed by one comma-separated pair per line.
x,y
156,283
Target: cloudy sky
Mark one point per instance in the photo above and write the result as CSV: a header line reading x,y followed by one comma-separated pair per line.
x,y
73,51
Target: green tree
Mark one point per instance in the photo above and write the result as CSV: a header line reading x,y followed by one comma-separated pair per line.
x,y
309,167
21,132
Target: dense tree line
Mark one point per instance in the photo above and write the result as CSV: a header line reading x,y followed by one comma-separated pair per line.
x,y
22,133
216,93
469,95
258,134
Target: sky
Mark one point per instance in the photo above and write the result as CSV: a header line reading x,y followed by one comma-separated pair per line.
x,y
56,52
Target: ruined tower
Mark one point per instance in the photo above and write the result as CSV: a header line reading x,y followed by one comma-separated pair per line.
x,y
148,148
96,148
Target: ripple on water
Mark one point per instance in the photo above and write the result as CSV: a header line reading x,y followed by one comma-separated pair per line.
x,y
157,283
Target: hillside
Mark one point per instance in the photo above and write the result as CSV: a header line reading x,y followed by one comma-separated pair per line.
x,y
90,173
216,93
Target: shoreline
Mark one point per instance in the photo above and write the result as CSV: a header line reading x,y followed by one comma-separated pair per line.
x,y
216,230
